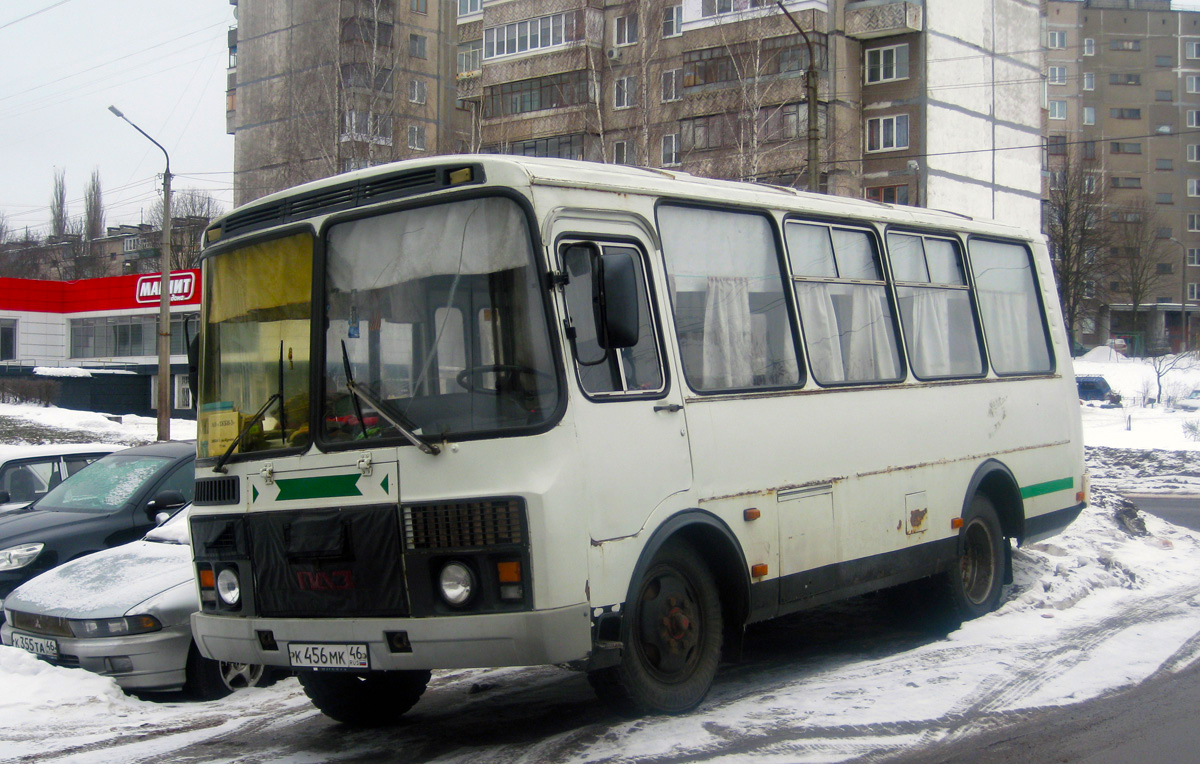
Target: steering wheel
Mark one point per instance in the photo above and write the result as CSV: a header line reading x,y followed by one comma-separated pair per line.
x,y
471,377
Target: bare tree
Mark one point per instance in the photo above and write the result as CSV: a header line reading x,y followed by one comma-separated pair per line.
x,y
1078,233
58,204
191,212
1165,363
93,212
1138,259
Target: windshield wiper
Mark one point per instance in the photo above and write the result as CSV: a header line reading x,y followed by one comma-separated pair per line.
x,y
406,427
253,421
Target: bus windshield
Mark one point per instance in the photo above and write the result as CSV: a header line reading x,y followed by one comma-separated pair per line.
x,y
254,347
435,325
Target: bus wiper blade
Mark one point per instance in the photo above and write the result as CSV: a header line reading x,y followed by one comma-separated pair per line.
x,y
394,418
253,420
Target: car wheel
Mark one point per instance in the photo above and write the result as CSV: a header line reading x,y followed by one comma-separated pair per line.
x,y
209,680
976,581
364,700
672,630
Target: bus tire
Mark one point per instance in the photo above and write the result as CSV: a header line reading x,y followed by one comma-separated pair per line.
x,y
672,633
364,700
976,581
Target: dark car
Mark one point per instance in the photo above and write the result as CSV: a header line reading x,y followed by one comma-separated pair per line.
x,y
113,501
1096,388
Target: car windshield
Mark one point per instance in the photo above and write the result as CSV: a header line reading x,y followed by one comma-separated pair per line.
x,y
173,531
106,485
1195,394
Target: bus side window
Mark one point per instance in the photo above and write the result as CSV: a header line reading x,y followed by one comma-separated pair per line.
x,y
727,291
1008,301
935,309
636,369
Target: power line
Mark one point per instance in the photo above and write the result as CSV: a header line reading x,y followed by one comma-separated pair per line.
x,y
35,13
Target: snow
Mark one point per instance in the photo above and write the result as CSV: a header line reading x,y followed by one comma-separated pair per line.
x,y
107,428
1092,610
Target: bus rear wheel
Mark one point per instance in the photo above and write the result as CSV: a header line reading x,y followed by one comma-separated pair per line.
x,y
672,632
976,581
364,700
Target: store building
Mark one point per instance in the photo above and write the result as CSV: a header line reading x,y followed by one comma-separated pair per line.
x,y
96,340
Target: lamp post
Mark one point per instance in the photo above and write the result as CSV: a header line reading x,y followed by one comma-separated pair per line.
x,y
814,132
164,295
1183,282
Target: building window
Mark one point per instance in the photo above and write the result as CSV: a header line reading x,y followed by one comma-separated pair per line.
x,y
416,45
670,150
467,7
672,21
1193,186
1089,46
1120,182
523,96
1164,164
715,7
416,137
8,339
1194,291
366,126
363,77
707,66
368,30
1125,113
888,194
1058,40
1193,152
469,55
1125,45
887,64
1089,81
416,91
1164,199
418,6
1193,256
1089,184
1056,145
1089,291
561,146
625,92
533,34
1193,118
621,152
1163,95
1192,49
1124,148
1193,222
887,133
1089,149
1163,269
670,85
1193,83
1163,61
626,30
1124,79
1057,75
1058,179
1089,115
1058,110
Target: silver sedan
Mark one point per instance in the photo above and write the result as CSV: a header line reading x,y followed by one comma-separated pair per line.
x,y
124,612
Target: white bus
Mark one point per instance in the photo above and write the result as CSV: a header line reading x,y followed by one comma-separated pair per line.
x,y
497,411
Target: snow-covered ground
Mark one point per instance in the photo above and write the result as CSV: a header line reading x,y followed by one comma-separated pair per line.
x,y
1100,607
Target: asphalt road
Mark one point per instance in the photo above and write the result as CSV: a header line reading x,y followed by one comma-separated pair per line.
x,y
1180,510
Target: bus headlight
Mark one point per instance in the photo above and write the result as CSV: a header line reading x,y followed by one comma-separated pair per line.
x,y
457,583
228,587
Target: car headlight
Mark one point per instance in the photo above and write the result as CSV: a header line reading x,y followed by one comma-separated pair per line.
x,y
114,627
19,556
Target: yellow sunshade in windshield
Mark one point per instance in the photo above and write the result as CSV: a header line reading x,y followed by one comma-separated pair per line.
x,y
272,278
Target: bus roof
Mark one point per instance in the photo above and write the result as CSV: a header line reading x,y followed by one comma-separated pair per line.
x,y
410,177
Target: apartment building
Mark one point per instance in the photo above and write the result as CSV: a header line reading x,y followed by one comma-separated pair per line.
x,y
934,103
1123,102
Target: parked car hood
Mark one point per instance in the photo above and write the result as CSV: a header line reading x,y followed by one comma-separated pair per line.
x,y
33,524
106,584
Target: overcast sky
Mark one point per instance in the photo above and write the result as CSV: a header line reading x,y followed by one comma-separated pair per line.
x,y
161,62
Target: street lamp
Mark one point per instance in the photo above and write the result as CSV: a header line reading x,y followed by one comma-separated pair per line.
x,y
814,131
1183,282
164,295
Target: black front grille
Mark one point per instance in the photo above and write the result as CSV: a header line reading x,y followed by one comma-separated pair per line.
x,y
35,623
464,525
220,490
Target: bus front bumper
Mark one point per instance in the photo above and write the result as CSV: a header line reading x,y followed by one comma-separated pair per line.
x,y
530,638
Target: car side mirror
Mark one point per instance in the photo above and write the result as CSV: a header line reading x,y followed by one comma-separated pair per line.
x,y
193,359
165,500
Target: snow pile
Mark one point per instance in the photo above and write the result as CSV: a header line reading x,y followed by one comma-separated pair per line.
x,y
33,687
105,428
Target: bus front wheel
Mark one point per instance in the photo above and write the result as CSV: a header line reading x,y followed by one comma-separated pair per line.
x,y
364,700
672,633
976,581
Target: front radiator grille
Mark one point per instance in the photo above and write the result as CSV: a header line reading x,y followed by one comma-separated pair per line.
x,y
467,524
35,623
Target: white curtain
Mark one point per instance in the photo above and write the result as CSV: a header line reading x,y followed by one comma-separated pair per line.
x,y
728,337
1015,342
821,332
872,347
929,333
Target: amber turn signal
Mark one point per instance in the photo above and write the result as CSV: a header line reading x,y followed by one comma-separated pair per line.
x,y
751,514
759,570
956,523
207,581
508,572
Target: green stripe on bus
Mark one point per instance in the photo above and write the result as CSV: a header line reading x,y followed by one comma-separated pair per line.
x,y
1041,489
327,487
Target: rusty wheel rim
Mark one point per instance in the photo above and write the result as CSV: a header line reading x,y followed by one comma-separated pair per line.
x,y
670,632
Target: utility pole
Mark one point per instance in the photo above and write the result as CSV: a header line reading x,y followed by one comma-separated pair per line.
x,y
810,83
164,295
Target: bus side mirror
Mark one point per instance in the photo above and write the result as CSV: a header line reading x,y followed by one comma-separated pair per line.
x,y
193,357
615,300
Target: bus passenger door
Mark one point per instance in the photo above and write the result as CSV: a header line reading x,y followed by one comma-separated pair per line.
x,y
629,419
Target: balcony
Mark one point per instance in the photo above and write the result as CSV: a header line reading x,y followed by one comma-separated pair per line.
x,y
869,19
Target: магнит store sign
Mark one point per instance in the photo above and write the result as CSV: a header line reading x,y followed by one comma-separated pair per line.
x,y
183,287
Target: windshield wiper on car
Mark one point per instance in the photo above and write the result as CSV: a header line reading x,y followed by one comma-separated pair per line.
x,y
395,418
249,423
